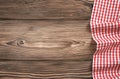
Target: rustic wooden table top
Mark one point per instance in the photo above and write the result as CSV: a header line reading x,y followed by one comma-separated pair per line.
x,y
46,39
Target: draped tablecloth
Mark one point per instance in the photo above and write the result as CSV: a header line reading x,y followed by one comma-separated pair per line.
x,y
105,27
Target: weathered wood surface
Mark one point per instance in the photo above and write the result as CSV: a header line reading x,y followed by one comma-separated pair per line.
x,y
46,49
45,9
46,40
45,70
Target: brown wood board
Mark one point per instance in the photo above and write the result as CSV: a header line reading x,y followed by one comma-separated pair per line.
x,y
45,9
49,49
46,39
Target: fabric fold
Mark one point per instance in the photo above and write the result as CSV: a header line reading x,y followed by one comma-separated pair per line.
x,y
105,28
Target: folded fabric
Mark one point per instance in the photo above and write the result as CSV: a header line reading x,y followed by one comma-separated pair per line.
x,y
105,28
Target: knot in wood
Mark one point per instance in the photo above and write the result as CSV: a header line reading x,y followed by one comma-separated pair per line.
x,y
20,42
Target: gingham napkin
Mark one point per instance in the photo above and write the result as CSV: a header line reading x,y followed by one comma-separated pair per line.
x,y
105,27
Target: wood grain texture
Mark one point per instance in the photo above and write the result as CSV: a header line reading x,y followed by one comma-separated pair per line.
x,y
45,70
45,9
46,40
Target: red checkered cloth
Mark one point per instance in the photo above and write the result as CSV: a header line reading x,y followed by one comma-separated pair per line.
x,y
105,27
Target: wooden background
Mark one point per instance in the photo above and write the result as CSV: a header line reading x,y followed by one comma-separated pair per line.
x,y
46,39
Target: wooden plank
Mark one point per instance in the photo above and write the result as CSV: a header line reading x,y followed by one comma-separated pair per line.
x,y
45,69
45,9
49,78
46,40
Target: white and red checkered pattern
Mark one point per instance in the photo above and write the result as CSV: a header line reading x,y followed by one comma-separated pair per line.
x,y
105,27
